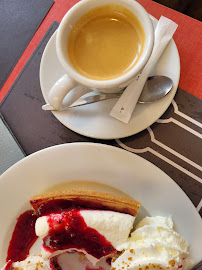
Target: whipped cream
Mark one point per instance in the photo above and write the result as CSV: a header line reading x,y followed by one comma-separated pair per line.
x,y
153,245
32,262
114,226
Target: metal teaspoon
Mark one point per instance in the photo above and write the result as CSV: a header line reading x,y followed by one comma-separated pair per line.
x,y
155,88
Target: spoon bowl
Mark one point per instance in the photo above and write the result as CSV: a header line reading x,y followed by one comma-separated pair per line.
x,y
155,88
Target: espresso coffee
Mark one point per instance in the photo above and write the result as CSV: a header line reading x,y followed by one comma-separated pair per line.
x,y
106,42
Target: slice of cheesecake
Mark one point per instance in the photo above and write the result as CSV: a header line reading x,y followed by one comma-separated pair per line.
x,y
91,222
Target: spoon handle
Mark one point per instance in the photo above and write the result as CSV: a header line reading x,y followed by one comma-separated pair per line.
x,y
86,100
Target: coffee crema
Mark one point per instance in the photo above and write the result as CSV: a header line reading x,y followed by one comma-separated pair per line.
x,y
106,42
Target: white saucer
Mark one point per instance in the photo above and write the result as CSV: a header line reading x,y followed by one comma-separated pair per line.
x,y
93,120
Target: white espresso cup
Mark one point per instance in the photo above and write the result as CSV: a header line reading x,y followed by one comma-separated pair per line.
x,y
80,84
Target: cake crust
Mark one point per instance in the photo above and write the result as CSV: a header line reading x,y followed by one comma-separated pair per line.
x,y
100,200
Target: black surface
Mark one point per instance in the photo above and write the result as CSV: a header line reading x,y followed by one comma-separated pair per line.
x,y
19,20
192,8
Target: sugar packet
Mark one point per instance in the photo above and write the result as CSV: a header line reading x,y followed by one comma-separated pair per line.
x,y
125,106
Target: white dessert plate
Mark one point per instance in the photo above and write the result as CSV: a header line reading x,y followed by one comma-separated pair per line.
x,y
93,120
96,167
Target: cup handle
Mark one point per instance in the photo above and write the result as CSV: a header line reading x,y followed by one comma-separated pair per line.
x,y
61,88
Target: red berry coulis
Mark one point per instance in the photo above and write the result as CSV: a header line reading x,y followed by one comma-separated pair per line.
x,y
68,230
23,237
78,235
99,268
9,265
